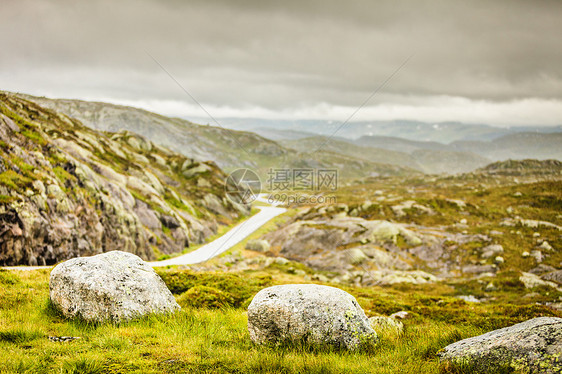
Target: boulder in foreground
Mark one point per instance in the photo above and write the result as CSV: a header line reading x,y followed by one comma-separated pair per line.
x,y
532,346
114,286
311,313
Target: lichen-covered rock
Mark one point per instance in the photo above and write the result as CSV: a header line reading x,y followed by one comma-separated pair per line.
x,y
532,281
311,313
491,250
531,346
554,276
114,286
258,245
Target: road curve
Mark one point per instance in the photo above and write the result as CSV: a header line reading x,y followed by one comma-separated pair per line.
x,y
225,242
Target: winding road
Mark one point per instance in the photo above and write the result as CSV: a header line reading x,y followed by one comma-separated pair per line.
x,y
225,242
214,248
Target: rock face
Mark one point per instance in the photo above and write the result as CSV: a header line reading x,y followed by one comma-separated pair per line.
x,y
114,286
532,346
308,312
68,191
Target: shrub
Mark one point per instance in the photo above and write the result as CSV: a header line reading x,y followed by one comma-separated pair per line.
x,y
238,287
206,297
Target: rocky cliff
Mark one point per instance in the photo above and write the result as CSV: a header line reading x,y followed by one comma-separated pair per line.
x,y
67,190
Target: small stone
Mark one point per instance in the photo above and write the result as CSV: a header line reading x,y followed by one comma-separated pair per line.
x,y
491,250
60,339
320,277
463,221
499,260
400,315
525,254
469,298
258,245
281,261
355,256
537,255
546,246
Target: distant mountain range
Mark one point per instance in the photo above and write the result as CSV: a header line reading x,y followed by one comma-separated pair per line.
x,y
442,132
376,148
428,157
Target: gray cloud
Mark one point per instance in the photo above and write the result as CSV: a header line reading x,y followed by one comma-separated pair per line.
x,y
283,56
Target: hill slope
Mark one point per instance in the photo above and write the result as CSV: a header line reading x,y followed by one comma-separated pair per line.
x,y
67,191
228,148
517,146
427,157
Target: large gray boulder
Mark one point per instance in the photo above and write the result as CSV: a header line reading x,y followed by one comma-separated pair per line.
x,y
114,286
531,346
311,313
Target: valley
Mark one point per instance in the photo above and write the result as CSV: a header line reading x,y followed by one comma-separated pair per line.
x,y
458,253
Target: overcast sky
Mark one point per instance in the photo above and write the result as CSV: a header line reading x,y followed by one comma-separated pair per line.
x,y
496,62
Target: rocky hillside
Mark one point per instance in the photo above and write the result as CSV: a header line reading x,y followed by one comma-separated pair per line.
x,y
230,149
522,168
485,232
67,190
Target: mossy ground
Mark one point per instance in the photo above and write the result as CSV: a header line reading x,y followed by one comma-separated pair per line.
x,y
210,333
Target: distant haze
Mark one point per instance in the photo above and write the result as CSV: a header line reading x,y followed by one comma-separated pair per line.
x,y
493,62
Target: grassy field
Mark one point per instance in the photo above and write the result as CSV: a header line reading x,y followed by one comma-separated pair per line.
x,y
210,333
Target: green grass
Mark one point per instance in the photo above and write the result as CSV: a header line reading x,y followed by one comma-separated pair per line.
x,y
4,199
14,181
210,334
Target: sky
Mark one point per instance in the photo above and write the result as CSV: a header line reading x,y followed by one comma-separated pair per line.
x,y
496,62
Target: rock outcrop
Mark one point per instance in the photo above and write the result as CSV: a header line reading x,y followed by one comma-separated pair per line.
x,y
114,286
308,313
68,191
369,252
531,346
